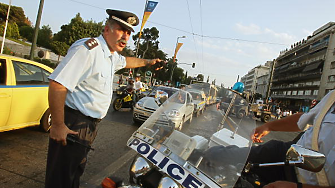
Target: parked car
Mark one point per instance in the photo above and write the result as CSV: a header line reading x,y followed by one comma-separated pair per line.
x,y
180,104
23,94
199,100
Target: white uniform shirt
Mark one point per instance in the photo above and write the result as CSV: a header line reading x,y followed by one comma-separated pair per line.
x,y
88,76
326,140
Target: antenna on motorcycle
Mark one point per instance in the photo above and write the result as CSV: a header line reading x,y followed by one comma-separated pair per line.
x,y
238,89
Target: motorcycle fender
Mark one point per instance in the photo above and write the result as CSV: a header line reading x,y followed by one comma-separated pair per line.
x,y
127,98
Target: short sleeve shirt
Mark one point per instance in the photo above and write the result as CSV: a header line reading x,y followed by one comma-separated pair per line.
x,y
326,140
88,75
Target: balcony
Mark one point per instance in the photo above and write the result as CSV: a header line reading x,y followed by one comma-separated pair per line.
x,y
294,87
301,97
318,47
295,77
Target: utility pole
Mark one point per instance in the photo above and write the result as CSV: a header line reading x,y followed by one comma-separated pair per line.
x,y
270,80
4,32
37,25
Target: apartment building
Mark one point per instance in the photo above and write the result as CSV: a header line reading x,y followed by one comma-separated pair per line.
x,y
306,71
250,79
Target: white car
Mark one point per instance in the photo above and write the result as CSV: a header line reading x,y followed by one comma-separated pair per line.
x,y
179,106
199,100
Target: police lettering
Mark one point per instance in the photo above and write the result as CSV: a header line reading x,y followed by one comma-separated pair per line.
x,y
165,164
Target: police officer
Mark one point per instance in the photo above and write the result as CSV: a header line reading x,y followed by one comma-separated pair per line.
x,y
80,92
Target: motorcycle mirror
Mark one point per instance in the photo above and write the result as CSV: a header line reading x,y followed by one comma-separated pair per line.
x,y
311,160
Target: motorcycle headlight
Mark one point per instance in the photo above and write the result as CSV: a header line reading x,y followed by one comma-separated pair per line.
x,y
174,113
139,104
119,92
139,168
167,182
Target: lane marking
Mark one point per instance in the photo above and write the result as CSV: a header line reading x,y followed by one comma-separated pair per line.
x,y
112,168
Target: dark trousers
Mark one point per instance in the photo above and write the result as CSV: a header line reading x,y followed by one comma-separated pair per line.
x,y
272,151
65,164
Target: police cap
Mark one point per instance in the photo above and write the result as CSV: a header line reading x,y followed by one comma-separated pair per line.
x,y
126,19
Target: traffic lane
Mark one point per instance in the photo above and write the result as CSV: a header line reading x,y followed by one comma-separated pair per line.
x,y
23,156
111,156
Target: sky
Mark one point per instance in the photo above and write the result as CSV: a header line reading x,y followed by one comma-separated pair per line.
x,y
225,39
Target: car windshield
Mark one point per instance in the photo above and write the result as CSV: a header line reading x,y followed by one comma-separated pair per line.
x,y
169,91
180,97
196,96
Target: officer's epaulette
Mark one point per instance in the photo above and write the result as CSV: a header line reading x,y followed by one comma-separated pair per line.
x,y
91,43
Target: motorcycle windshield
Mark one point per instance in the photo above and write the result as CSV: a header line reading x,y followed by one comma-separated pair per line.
x,y
205,151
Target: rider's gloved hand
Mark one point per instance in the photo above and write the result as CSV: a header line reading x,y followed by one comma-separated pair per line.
x,y
259,133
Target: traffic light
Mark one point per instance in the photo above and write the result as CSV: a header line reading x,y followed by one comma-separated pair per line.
x,y
193,65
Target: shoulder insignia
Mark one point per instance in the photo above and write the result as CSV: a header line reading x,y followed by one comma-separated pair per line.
x,y
91,43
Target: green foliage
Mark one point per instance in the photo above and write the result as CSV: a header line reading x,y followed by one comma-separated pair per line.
x,y
27,32
78,29
148,47
59,48
45,37
16,15
8,51
188,80
12,30
200,77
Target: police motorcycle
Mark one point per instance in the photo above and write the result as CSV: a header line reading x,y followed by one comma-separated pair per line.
x,y
211,152
124,97
168,157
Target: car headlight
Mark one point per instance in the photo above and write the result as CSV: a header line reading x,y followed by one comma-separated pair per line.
x,y
139,104
174,113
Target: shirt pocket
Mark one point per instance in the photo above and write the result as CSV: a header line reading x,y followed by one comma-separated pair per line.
x,y
106,81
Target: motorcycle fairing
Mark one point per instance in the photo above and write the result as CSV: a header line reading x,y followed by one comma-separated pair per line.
x,y
212,149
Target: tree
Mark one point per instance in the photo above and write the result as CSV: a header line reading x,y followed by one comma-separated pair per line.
x,y
12,30
200,77
78,29
148,48
45,36
27,32
16,15
59,48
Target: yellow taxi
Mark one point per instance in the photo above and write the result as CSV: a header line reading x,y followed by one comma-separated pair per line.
x,y
23,94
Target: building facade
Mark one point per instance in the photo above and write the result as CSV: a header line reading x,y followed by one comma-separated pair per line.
x,y
306,71
250,80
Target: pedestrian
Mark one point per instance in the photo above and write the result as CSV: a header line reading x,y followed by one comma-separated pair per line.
x,y
278,113
80,92
138,84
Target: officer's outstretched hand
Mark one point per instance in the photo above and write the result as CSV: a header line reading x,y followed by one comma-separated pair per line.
x,y
157,64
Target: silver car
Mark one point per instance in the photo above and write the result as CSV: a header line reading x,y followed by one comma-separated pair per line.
x,y
180,105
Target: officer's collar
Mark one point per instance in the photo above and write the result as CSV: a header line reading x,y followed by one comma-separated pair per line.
x,y
104,46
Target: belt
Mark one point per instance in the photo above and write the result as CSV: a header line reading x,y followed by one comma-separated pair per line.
x,y
96,120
